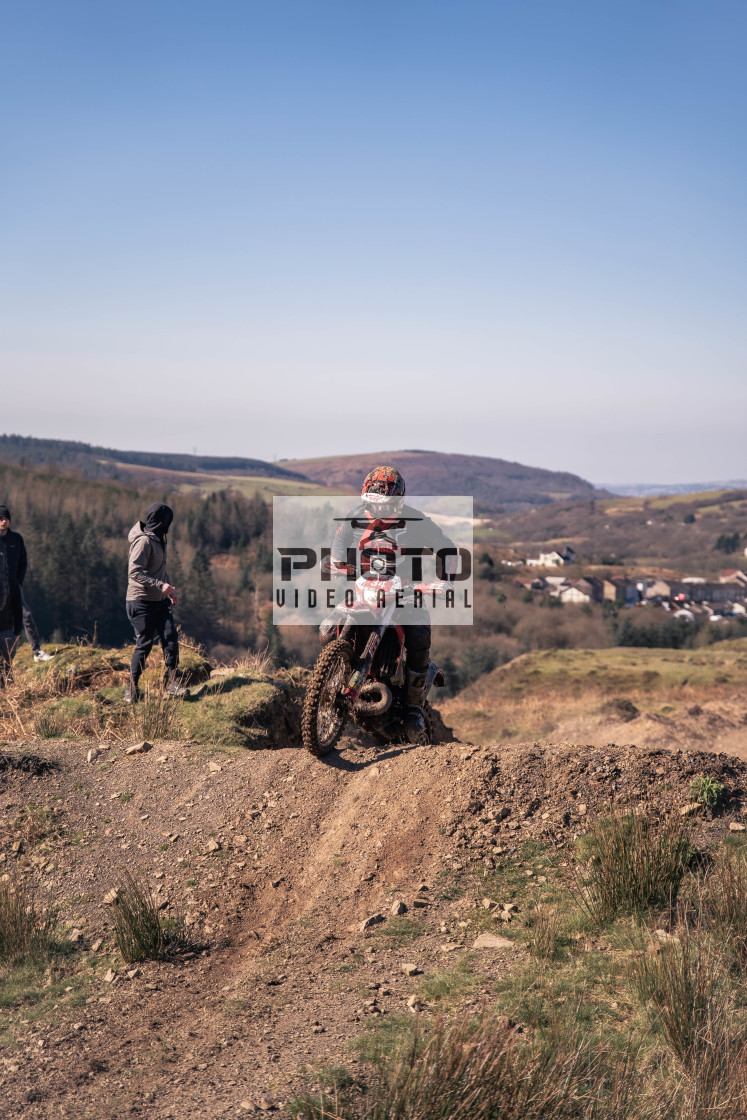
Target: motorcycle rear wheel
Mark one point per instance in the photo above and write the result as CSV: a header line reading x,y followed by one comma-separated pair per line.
x,y
425,739
324,712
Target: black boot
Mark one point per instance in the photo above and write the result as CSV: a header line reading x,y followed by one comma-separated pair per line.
x,y
415,722
175,688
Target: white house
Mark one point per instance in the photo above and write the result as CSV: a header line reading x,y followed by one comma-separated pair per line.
x,y
553,559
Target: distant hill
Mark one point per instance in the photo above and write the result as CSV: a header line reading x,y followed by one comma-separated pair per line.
x,y
495,484
655,490
105,462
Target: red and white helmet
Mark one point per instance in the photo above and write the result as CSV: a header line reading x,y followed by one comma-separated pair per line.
x,y
384,487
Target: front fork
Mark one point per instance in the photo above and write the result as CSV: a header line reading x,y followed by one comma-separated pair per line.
x,y
352,690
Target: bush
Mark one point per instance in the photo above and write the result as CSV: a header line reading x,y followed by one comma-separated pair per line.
x,y
706,789
636,864
727,542
672,633
477,660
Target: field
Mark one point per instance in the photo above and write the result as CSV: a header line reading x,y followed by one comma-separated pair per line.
x,y
650,696
205,483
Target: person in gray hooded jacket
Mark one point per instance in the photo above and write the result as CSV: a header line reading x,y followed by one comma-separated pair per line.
x,y
150,598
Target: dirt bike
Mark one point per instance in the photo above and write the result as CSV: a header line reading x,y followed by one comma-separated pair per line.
x,y
360,673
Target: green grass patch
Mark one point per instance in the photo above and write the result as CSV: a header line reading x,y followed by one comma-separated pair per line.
x,y
57,719
241,716
382,1037
627,1022
449,985
399,931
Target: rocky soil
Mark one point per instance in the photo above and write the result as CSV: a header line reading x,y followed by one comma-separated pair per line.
x,y
317,891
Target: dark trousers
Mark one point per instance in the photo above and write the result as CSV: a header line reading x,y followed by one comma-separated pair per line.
x,y
150,621
32,634
418,646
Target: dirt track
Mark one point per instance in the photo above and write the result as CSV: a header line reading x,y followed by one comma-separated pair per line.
x,y
308,851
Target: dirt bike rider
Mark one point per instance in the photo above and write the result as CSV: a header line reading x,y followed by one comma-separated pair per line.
x,y
382,509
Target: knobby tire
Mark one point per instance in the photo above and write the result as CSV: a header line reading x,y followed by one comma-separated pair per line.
x,y
338,654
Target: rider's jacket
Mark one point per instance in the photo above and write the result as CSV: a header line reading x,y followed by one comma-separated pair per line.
x,y
364,532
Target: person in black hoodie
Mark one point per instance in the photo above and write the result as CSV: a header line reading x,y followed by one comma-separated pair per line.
x,y
14,563
150,598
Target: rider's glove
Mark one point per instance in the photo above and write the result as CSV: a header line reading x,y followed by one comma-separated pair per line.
x,y
330,567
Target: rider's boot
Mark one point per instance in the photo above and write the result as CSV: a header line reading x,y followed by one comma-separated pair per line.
x,y
415,723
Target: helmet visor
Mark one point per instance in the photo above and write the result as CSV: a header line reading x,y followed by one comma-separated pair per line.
x,y
383,504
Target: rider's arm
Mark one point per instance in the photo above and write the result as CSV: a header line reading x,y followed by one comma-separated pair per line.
x,y
337,563
343,540
440,540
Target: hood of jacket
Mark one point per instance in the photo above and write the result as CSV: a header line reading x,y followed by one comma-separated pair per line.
x,y
137,530
158,518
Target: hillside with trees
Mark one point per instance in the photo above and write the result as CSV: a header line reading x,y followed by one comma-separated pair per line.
x,y
220,558
104,462
696,533
76,536
495,484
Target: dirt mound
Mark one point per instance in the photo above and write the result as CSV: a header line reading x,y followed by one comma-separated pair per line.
x,y
620,708
28,763
551,793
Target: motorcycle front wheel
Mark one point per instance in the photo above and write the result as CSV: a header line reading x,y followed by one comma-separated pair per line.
x,y
324,711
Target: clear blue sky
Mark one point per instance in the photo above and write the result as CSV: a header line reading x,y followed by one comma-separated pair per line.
x,y
302,227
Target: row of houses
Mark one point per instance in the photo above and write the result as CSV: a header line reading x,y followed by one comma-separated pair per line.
x,y
730,591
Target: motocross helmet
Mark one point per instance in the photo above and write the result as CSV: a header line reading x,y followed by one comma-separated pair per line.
x,y
384,488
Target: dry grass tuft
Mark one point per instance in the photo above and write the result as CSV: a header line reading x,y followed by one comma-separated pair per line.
x,y
724,902
483,1071
27,932
256,662
156,716
637,864
140,931
683,987
543,928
